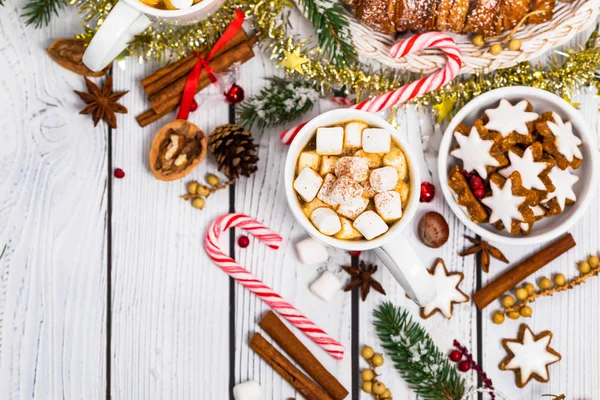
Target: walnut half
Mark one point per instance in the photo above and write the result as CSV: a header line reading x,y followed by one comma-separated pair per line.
x,y
176,150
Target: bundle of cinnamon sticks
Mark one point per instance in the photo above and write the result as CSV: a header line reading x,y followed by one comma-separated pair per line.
x,y
164,87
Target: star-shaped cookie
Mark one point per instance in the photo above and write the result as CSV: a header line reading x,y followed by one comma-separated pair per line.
x,y
529,356
477,153
560,141
509,202
506,118
448,293
531,165
563,180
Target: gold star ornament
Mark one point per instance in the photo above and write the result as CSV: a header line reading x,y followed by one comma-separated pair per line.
x,y
445,108
293,60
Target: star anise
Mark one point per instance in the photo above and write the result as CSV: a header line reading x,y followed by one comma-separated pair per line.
x,y
486,250
102,104
363,277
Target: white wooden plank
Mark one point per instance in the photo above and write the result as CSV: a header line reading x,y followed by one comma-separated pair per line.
x,y
53,219
263,197
169,302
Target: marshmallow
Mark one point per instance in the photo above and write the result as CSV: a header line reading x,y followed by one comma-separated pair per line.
x,y
395,158
330,141
347,232
376,140
326,221
325,192
345,190
404,190
353,134
307,184
354,208
328,165
311,252
249,390
374,160
370,225
388,205
384,178
311,206
356,168
326,286
308,159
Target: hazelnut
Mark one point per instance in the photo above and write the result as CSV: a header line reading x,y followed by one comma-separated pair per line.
x,y
433,229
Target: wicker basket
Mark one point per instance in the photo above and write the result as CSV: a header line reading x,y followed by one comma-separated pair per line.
x,y
569,19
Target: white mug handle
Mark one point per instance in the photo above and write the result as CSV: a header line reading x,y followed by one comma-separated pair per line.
x,y
406,267
119,28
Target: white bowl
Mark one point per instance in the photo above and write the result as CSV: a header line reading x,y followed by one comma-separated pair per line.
x,y
548,228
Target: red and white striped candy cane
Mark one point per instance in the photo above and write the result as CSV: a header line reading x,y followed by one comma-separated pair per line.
x,y
417,88
266,294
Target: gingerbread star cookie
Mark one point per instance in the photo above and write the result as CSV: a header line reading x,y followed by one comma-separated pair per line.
x,y
560,141
529,356
563,195
477,153
510,203
532,165
448,293
465,198
510,124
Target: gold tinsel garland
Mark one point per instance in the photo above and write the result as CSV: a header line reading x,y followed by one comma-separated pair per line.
x,y
568,71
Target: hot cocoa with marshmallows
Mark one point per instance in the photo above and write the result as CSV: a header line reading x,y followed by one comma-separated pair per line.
x,y
352,181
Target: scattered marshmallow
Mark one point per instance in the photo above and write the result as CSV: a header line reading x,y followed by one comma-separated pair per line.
x,y
326,221
308,159
311,252
370,225
348,232
388,205
249,390
308,208
354,208
328,164
353,134
325,192
308,183
330,141
326,286
368,191
356,168
383,179
396,158
376,140
345,190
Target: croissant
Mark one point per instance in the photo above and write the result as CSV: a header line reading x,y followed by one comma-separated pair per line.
x,y
488,17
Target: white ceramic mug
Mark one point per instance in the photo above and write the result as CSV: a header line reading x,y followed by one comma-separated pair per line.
x,y
129,18
392,248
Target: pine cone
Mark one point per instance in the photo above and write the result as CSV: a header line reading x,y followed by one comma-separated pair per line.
x,y
234,149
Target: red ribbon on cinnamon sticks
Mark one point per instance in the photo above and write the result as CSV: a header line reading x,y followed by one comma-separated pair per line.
x,y
191,82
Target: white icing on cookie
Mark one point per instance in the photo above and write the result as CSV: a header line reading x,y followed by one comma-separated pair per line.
x,y
504,204
566,142
508,118
447,291
528,169
475,152
538,211
531,356
564,181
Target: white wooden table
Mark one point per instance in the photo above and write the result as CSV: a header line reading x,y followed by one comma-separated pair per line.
x,y
105,288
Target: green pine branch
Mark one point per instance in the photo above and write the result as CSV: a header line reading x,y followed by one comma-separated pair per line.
x,y
3,251
281,102
333,33
39,12
422,365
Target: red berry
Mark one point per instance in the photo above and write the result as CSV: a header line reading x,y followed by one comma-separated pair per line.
x,y
243,242
119,173
464,366
465,173
475,182
455,356
234,95
479,193
354,253
193,106
427,192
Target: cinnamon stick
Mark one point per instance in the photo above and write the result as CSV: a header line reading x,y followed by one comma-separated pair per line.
x,y
302,383
518,273
170,96
171,73
280,333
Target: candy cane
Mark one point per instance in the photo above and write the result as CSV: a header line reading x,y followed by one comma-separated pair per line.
x,y
266,294
411,90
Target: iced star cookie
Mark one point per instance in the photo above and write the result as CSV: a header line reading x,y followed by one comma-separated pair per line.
x,y
560,141
448,293
532,165
529,356
465,197
563,195
477,152
510,124
509,203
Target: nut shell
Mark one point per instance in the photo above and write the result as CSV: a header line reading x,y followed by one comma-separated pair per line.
x,y
193,136
68,53
433,229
